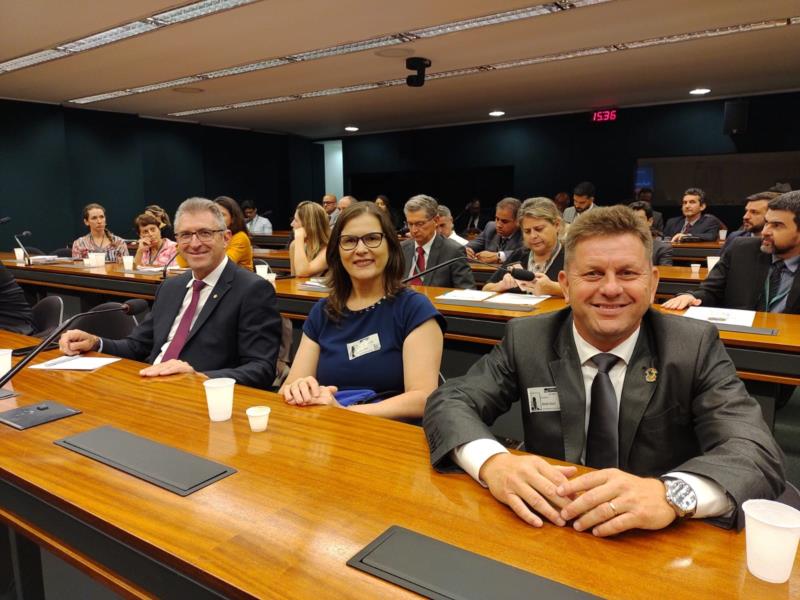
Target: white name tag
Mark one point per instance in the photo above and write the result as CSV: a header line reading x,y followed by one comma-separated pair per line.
x,y
371,343
543,399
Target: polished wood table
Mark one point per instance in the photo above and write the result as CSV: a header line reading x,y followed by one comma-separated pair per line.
x,y
309,493
695,252
278,260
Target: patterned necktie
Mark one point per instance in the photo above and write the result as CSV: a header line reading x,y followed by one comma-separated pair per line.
x,y
420,266
602,439
179,339
774,282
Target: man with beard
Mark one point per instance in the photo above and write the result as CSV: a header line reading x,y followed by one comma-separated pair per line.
x,y
753,221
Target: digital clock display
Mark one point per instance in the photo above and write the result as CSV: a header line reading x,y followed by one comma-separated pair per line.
x,y
604,115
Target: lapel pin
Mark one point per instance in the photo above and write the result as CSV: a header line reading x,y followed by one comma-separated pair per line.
x,y
216,296
650,375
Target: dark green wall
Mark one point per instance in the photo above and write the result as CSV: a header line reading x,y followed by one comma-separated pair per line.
x,y
55,160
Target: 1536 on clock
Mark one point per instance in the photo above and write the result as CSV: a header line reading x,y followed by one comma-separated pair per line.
x,y
604,115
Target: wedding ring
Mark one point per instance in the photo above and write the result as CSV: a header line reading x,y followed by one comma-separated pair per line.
x,y
613,508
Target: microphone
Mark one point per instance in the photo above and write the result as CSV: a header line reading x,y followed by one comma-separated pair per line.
x,y
130,307
169,262
4,220
24,234
522,274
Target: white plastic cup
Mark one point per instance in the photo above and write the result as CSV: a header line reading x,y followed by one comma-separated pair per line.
x,y
723,233
712,261
772,530
695,268
19,254
258,417
271,278
87,262
262,270
5,361
98,258
219,396
127,263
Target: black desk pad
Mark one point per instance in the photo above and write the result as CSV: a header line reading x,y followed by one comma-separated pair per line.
x,y
32,415
167,467
441,571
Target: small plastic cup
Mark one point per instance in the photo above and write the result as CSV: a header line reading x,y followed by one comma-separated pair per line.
x,y
258,417
723,233
127,263
19,254
262,270
712,261
772,531
271,278
695,268
219,396
5,361
98,259
87,262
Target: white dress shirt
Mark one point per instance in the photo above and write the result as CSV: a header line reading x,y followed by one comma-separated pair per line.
x,y
712,500
259,225
457,238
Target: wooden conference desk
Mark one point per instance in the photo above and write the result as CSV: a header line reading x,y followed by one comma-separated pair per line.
x,y
695,251
307,496
277,239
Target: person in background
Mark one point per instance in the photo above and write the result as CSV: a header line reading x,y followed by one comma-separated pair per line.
x,y
99,238
311,235
471,221
754,216
694,222
499,240
383,203
540,223
15,312
662,251
645,194
164,222
329,204
345,201
152,249
561,200
371,332
582,200
256,224
240,250
445,226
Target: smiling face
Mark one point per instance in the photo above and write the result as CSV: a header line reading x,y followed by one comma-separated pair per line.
x,y
96,221
540,235
609,283
363,263
202,257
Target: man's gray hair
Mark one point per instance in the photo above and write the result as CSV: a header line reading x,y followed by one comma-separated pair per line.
x,y
509,203
422,202
444,212
198,205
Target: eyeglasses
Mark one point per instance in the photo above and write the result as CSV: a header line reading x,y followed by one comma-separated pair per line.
x,y
418,224
371,240
204,235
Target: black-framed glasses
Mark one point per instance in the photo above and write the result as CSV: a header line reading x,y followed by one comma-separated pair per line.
x,y
204,235
370,240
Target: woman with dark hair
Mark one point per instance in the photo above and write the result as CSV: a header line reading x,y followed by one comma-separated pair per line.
x,y
371,333
152,250
164,222
99,238
311,233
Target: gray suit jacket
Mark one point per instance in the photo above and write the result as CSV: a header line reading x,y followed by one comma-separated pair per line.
x,y
662,253
490,240
570,214
696,417
454,275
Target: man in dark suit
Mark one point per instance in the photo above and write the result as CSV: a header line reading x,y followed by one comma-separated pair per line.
x,y
220,320
645,194
15,312
501,238
757,273
662,251
427,249
753,221
670,427
471,221
693,223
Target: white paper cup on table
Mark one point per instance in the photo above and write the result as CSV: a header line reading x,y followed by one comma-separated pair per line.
x,y
258,417
271,278
262,270
98,259
772,530
19,254
712,261
695,268
127,263
5,361
723,233
219,396
87,262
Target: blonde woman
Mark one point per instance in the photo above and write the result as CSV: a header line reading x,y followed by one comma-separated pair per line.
x,y
541,224
311,235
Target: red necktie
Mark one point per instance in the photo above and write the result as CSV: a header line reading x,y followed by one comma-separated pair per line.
x,y
686,227
179,339
420,265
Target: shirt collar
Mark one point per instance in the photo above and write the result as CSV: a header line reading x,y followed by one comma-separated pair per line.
x,y
791,263
212,278
427,245
586,351
695,220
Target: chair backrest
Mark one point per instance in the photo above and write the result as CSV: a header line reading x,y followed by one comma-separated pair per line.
x,y
112,325
790,496
47,315
64,252
260,261
33,251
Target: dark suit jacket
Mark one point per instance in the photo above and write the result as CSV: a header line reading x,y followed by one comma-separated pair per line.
x,y
739,234
15,312
522,259
490,240
706,227
454,275
697,417
237,333
460,223
738,279
662,253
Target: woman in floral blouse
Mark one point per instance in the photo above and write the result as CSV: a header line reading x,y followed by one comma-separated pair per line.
x,y
99,238
152,250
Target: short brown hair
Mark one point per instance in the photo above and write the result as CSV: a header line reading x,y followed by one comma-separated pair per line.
x,y
144,219
607,221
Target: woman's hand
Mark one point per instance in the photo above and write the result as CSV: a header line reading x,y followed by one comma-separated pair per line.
x,y
507,283
300,234
306,391
144,243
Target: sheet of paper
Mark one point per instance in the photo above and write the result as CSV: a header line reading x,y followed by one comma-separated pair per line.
x,y
521,299
147,270
75,363
475,295
728,316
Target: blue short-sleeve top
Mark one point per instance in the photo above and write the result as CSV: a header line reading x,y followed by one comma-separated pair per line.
x,y
365,348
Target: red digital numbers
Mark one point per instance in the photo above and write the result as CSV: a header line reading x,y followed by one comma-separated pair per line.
x,y
604,115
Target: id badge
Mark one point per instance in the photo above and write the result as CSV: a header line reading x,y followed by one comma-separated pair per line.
x,y
543,399
371,343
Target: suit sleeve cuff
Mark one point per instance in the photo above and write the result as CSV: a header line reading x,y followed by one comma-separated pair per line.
x,y
99,345
712,500
501,256
472,455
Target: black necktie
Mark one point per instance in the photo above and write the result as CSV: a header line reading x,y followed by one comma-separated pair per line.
x,y
602,439
502,243
774,282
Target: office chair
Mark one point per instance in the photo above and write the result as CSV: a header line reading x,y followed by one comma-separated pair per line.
x,y
63,252
113,325
33,251
261,261
284,362
47,315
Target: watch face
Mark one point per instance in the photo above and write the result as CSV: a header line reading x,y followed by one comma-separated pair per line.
x,y
682,496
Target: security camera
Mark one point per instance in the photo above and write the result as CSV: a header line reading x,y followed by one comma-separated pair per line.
x,y
418,64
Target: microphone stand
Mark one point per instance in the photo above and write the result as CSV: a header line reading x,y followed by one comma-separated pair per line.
x,y
447,262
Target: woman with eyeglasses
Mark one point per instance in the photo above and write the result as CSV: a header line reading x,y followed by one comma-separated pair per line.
x,y
372,334
152,249
99,238
311,233
540,222
239,249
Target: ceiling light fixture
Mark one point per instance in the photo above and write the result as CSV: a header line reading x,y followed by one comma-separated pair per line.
x,y
700,91
107,37
351,128
197,10
497,113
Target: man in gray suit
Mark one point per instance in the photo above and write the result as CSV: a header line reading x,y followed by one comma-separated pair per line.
x,y
426,249
650,400
582,200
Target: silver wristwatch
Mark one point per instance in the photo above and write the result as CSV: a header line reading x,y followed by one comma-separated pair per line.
x,y
680,496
